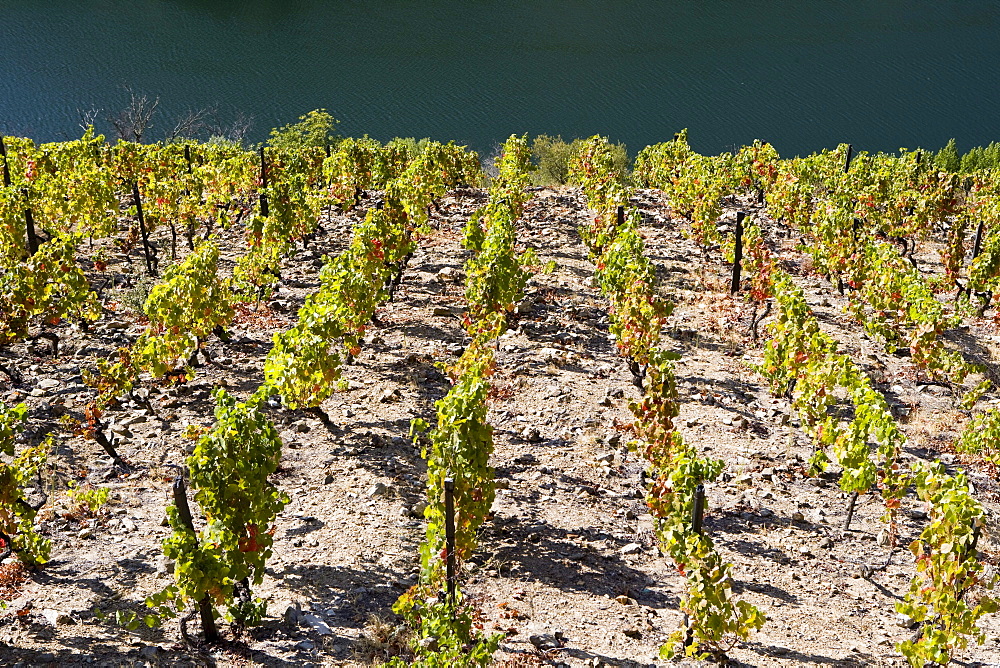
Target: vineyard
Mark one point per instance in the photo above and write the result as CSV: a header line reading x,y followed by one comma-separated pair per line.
x,y
360,403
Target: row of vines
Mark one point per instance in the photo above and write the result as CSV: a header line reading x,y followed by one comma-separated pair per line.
x,y
62,194
859,219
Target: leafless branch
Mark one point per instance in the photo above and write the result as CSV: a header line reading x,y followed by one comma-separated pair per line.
x,y
135,119
235,131
88,117
192,124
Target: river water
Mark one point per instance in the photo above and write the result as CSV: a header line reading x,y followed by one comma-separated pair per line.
x,y
881,74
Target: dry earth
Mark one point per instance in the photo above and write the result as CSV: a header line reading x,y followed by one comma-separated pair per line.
x,y
570,548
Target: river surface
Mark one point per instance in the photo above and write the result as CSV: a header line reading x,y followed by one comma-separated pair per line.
x,y
882,74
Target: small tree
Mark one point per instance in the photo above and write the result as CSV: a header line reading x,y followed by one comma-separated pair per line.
x,y
133,121
317,128
948,159
552,156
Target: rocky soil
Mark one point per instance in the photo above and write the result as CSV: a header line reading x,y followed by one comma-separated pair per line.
x,y
568,566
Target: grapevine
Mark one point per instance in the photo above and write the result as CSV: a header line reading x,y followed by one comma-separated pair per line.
x,y
715,622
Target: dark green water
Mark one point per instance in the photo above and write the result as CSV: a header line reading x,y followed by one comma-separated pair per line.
x,y
804,75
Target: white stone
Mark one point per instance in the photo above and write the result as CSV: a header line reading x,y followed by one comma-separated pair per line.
x,y
317,624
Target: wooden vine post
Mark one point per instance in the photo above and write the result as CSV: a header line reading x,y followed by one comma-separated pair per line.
x,y
6,169
29,226
698,509
29,221
697,521
737,253
852,500
847,167
109,447
977,245
760,190
184,513
150,268
189,233
264,211
449,537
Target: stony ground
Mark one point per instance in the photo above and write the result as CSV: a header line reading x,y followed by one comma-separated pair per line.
x,y
569,553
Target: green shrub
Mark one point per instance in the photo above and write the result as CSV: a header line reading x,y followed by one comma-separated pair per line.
x,y
981,157
317,128
410,145
948,159
552,155
223,142
978,158
87,500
